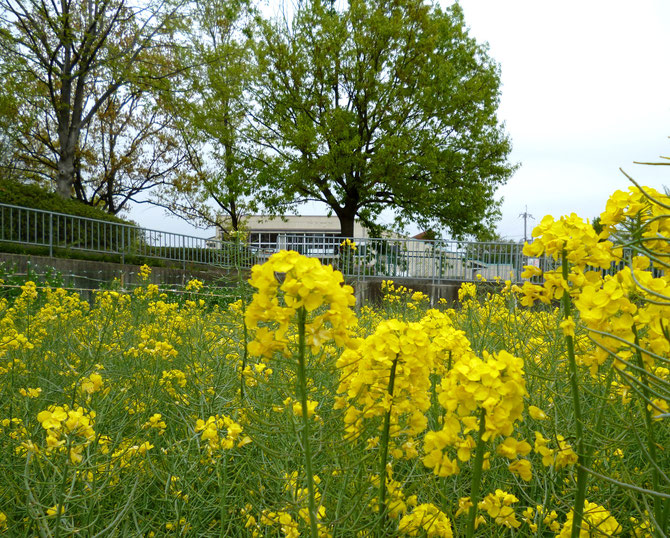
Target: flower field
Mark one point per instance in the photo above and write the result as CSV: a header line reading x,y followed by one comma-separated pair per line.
x,y
534,410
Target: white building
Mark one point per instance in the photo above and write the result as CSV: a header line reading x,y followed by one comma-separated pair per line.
x,y
264,229
314,235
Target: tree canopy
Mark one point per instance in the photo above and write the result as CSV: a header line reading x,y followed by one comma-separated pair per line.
x,y
377,105
384,104
210,102
77,64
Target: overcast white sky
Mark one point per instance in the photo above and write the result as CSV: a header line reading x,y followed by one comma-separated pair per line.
x,y
586,90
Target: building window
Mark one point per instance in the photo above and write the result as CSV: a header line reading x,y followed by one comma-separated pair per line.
x,y
308,243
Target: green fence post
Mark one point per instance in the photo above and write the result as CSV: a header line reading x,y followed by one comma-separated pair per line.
x,y
51,235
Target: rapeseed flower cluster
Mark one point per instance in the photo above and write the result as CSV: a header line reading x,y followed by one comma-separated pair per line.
x,y
541,516
173,381
156,422
30,392
252,374
388,372
498,506
221,433
597,522
426,520
284,519
449,343
573,237
288,282
402,302
642,211
584,250
396,502
468,290
171,428
491,389
563,456
68,429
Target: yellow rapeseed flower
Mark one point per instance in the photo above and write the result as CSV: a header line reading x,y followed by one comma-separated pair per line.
x,y
597,521
365,374
30,393
287,282
426,520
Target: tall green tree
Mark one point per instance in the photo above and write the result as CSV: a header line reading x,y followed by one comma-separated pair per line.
x,y
382,104
27,154
8,150
211,109
130,148
76,56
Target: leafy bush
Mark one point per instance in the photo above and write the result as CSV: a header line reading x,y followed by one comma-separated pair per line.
x,y
36,197
27,228
11,279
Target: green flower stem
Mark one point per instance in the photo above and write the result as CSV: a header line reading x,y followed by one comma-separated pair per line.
x,y
476,475
245,352
601,416
385,446
221,474
651,442
307,450
582,475
60,498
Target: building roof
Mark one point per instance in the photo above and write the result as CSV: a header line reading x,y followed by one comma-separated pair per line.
x,y
299,224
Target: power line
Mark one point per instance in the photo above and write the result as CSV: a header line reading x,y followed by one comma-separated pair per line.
x,y
525,216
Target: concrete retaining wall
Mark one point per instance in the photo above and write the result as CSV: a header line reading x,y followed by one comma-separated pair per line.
x,y
370,290
90,275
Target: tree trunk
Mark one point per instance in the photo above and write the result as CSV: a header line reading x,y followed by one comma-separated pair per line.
x,y
65,177
234,217
69,121
347,219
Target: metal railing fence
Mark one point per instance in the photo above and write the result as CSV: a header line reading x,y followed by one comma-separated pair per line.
x,y
360,258
396,258
69,232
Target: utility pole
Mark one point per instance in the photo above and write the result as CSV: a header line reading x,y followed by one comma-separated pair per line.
x,y
525,216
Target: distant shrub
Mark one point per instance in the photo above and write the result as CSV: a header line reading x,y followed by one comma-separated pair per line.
x,y
39,234
27,228
36,197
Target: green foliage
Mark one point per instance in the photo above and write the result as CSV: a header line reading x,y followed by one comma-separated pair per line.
x,y
11,279
211,108
381,105
597,225
78,74
36,197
